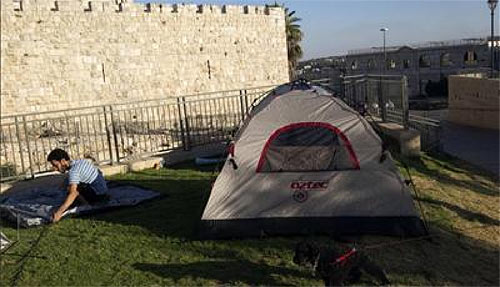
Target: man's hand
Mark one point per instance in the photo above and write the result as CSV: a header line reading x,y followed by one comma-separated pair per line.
x,y
72,195
57,216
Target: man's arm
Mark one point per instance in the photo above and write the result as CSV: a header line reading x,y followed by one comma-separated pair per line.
x,y
72,195
65,182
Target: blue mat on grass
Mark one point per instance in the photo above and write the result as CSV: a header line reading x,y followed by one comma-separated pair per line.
x,y
35,206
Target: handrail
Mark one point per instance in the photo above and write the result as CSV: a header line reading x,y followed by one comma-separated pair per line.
x,y
134,102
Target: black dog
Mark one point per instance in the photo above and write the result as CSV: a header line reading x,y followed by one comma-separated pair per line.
x,y
337,265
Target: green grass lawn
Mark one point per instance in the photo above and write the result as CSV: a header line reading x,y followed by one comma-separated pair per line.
x,y
155,243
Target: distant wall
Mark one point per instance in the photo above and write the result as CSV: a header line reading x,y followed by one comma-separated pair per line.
x,y
66,54
423,64
474,101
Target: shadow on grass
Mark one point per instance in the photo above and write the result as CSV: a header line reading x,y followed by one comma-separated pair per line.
x,y
464,213
449,259
177,214
191,165
224,272
184,193
446,260
185,189
422,166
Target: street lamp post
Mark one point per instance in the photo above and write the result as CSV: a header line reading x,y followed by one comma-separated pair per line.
x,y
381,99
492,4
383,30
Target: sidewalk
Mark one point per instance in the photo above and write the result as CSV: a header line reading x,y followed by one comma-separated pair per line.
x,y
477,146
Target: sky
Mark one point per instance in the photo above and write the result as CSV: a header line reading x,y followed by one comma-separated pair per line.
x,y
332,27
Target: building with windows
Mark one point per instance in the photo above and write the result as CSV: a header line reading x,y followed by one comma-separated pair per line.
x,y
424,63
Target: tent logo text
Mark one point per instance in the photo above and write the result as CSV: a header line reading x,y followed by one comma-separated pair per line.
x,y
309,185
300,196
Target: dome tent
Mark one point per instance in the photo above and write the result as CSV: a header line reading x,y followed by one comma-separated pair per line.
x,y
304,162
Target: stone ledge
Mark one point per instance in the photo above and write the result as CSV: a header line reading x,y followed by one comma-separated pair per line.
x,y
133,165
4,187
178,156
109,170
408,141
144,163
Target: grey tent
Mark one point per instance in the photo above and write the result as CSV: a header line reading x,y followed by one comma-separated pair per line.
x,y
305,162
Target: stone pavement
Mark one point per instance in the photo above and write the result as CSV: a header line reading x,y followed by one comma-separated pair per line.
x,y
477,146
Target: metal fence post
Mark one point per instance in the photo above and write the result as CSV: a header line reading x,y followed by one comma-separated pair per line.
x,y
354,94
342,87
246,101
108,135
115,136
404,102
242,108
348,89
381,101
186,122
365,90
180,102
18,135
28,146
345,91
438,137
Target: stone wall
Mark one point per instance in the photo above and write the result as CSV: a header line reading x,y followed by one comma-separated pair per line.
x,y
68,54
474,101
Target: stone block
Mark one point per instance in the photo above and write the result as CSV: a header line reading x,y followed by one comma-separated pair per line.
x,y
276,11
249,9
178,156
67,6
232,9
407,141
144,163
5,187
155,8
7,6
110,170
217,10
166,9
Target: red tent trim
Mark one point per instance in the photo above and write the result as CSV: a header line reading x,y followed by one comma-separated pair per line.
x,y
287,128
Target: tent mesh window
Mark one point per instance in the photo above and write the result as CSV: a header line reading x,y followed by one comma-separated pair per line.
x,y
303,147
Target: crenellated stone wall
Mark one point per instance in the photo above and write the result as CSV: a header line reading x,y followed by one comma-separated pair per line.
x,y
68,54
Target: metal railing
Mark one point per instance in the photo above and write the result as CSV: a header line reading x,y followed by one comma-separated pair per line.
x,y
368,93
430,129
113,133
377,94
110,134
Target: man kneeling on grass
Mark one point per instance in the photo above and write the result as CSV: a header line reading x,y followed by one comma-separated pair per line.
x,y
85,182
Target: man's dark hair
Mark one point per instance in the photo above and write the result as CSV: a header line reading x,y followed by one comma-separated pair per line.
x,y
57,154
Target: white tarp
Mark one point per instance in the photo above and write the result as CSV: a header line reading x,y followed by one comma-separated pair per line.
x,y
4,241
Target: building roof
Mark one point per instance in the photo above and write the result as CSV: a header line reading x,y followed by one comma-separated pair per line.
x,y
425,45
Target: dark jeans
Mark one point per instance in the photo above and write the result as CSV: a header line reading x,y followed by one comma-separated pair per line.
x,y
89,195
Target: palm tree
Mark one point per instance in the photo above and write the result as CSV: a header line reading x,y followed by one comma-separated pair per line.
x,y
293,37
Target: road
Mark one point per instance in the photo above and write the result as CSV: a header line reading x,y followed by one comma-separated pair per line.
x,y
477,146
